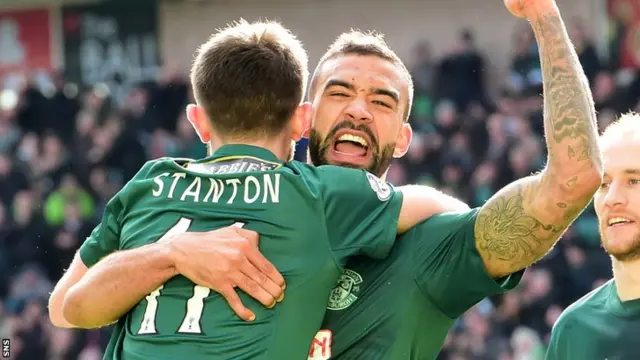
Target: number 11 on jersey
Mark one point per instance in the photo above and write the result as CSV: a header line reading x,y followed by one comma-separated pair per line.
x,y
195,304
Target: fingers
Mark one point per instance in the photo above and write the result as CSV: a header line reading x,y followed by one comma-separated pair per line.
x,y
258,260
254,290
264,267
252,236
262,280
236,305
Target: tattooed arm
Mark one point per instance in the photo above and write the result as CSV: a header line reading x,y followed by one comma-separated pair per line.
x,y
520,223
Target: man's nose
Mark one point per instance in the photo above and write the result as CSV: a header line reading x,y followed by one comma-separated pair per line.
x,y
616,195
358,111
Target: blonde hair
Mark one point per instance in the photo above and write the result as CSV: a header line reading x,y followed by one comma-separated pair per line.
x,y
627,124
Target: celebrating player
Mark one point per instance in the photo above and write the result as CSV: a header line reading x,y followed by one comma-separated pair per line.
x,y
403,306
249,81
604,323
450,262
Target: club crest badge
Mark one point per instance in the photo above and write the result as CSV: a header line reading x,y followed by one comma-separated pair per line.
x,y
346,290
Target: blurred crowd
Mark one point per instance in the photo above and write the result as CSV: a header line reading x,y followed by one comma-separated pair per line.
x,y
64,152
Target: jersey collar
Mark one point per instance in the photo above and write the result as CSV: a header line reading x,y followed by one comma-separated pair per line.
x,y
619,306
237,151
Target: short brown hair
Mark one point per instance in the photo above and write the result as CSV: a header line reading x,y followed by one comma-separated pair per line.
x,y
361,43
250,78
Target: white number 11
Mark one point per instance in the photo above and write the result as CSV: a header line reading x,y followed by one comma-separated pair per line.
x,y
195,304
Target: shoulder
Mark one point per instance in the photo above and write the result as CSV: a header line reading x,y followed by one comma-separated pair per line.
x,y
454,216
333,172
581,309
343,180
448,223
445,235
161,166
322,171
153,167
144,178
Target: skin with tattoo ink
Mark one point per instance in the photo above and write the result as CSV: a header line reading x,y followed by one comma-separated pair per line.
x,y
523,221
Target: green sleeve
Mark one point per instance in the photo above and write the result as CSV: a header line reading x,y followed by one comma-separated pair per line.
x,y
361,212
448,267
105,238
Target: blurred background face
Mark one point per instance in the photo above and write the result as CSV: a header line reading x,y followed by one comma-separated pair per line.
x,y
358,107
617,203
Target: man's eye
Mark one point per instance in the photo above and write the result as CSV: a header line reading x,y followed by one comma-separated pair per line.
x,y
378,102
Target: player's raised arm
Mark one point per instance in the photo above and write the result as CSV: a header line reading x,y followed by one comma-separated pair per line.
x,y
520,223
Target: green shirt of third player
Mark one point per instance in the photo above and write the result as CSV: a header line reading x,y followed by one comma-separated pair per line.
x,y
311,220
600,326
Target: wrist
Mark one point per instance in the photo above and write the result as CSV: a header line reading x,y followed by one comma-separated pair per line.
x,y
171,257
542,9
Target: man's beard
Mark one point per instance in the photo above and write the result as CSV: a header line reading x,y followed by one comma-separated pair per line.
x,y
380,160
631,254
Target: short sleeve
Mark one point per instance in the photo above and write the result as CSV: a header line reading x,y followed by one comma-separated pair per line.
x,y
448,267
105,238
361,210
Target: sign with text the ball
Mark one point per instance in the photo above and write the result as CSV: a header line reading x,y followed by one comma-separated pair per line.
x,y
114,43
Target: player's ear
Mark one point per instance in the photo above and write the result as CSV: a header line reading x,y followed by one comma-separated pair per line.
x,y
308,117
200,122
404,140
301,122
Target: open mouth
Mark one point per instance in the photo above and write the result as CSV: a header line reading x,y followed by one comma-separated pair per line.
x,y
351,145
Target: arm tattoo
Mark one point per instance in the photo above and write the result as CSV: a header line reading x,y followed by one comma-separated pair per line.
x,y
522,222
569,113
506,231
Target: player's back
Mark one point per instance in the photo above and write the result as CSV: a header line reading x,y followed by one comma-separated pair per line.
x,y
287,205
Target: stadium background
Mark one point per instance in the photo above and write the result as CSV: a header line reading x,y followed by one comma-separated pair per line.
x,y
91,90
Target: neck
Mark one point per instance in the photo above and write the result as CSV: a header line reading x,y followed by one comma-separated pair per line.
x,y
627,277
278,146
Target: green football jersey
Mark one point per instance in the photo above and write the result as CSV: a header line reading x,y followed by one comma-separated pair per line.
x,y
310,221
402,307
597,327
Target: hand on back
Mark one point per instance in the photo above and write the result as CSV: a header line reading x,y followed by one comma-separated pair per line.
x,y
226,258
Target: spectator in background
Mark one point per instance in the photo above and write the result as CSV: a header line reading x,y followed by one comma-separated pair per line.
x,y
68,197
12,179
461,73
29,232
424,75
585,48
526,75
